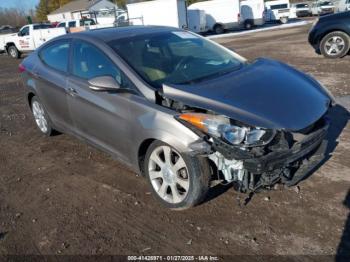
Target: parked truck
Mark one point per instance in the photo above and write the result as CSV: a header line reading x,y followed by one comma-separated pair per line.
x,y
28,39
252,13
278,10
197,21
220,14
158,12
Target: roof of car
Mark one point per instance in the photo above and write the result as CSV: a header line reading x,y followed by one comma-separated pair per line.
x,y
109,34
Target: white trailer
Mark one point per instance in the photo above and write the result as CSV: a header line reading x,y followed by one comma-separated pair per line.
x,y
252,13
278,10
220,14
197,21
28,38
159,12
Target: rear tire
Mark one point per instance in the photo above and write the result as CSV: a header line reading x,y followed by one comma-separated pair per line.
x,y
178,181
41,117
248,25
219,29
13,52
335,45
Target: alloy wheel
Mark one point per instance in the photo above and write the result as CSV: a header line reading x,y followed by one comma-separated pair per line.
x,y
39,115
168,174
334,45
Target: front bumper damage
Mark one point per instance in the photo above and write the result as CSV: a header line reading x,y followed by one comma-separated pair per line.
x,y
288,159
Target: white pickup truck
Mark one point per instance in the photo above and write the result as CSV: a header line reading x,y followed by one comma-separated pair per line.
x,y
28,39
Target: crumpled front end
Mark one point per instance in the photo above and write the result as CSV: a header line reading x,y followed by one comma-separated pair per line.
x,y
287,159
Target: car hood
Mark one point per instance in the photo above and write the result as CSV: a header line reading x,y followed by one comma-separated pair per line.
x,y
265,93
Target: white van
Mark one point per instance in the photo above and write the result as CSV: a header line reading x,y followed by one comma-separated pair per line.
x,y
220,14
159,12
278,10
196,21
252,13
322,8
343,5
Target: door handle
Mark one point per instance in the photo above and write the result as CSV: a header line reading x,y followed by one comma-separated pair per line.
x,y
72,91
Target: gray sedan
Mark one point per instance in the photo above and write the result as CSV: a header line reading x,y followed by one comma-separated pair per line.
x,y
180,109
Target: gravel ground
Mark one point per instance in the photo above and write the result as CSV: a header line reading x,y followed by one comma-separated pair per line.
x,y
61,196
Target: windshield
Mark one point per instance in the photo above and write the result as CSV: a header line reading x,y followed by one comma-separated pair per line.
x,y
325,3
177,57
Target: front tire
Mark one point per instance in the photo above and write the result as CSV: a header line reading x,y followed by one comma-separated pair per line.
x,y
41,117
13,52
335,45
178,181
219,29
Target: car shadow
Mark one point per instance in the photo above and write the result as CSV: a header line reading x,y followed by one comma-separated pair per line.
x,y
339,117
343,250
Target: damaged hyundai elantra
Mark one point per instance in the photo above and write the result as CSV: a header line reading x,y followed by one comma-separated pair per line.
x,y
181,110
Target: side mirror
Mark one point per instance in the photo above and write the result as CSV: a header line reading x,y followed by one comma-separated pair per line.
x,y
19,33
103,83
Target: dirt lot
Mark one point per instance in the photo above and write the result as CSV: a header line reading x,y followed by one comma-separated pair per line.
x,y
60,196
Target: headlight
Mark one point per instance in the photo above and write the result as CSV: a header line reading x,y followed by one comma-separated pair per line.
x,y
220,127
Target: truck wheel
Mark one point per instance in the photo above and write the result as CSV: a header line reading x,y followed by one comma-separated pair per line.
x,y
178,181
219,29
248,25
284,20
13,52
335,45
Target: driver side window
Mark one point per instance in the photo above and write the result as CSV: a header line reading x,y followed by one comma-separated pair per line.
x,y
90,62
25,31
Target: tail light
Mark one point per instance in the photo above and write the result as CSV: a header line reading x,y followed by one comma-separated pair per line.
x,y
21,68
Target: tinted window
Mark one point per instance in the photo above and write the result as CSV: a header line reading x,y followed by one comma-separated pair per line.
x,y
282,6
42,26
71,24
87,22
56,56
302,5
90,62
62,25
25,31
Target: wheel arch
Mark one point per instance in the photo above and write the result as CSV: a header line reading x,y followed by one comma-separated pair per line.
x,y
141,153
30,96
7,46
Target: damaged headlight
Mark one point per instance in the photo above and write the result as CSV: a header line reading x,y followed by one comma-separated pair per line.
x,y
220,127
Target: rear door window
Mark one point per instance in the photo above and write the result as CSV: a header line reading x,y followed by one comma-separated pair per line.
x,y
56,55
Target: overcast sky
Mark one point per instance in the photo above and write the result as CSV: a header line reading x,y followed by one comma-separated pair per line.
x,y
25,4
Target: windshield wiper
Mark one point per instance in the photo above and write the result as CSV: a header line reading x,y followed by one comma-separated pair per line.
x,y
211,76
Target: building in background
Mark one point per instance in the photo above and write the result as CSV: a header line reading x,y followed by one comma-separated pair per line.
x,y
79,9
